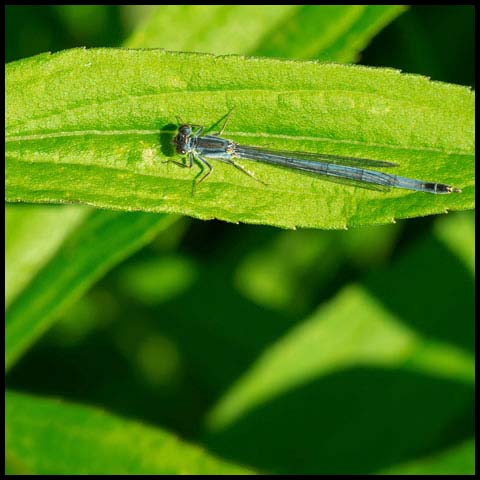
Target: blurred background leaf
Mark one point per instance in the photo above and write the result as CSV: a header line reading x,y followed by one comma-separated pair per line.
x,y
72,438
432,41
175,355
89,251
30,29
330,32
340,375
459,460
32,236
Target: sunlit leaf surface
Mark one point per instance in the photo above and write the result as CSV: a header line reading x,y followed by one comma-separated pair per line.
x,y
87,139
73,438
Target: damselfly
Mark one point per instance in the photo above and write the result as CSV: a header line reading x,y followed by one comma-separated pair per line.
x,y
200,147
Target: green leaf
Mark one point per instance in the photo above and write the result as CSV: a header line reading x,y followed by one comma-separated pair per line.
x,y
381,347
333,382
347,47
210,28
459,460
46,436
458,233
352,330
329,32
87,139
104,239
32,236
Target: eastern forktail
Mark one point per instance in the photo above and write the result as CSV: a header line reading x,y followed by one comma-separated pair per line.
x,y
200,147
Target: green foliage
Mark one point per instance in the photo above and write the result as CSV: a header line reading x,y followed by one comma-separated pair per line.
x,y
72,438
370,336
305,351
459,460
417,42
87,139
345,31
32,235
332,32
102,241
369,364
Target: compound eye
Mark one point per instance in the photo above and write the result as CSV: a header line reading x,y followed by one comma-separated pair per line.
x,y
185,130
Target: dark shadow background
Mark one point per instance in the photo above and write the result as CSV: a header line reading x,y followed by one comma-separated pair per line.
x,y
356,421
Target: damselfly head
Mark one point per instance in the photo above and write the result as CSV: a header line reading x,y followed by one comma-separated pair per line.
x,y
181,139
185,130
